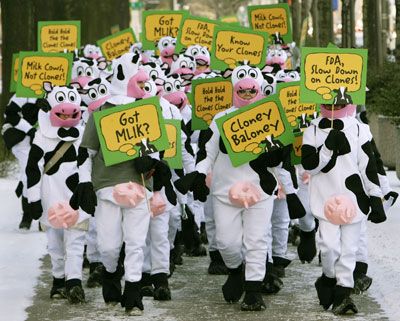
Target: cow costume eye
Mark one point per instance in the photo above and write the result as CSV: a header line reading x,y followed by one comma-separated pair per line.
x,y
153,74
60,96
89,71
241,73
173,42
147,87
71,96
168,87
203,51
80,71
292,74
92,93
253,73
183,64
102,89
165,43
194,51
268,90
192,66
177,85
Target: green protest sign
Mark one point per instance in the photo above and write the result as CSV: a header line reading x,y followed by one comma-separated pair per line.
x,y
209,97
195,31
298,114
132,130
254,129
233,44
58,36
160,23
273,19
14,72
295,155
117,44
173,154
38,67
333,75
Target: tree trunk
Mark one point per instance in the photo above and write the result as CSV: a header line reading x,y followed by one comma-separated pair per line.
x,y
325,21
19,20
375,52
366,23
296,20
348,24
315,23
397,2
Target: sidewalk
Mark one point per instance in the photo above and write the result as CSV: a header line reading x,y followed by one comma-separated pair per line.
x,y
196,296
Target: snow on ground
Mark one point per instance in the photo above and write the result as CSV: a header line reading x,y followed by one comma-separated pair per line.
x,y
384,255
19,256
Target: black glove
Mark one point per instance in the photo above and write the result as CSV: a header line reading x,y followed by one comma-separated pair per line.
x,y
35,209
270,159
392,194
144,164
84,197
295,207
31,133
194,182
337,142
377,214
162,178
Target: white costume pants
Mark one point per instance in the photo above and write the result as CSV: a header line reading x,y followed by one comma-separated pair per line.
x,y
338,245
210,224
156,251
240,229
174,224
65,248
362,252
280,228
115,225
92,251
21,153
307,222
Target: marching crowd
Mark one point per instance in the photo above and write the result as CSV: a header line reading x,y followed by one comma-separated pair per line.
x,y
134,220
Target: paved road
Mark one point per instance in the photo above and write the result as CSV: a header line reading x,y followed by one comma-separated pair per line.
x,y
196,296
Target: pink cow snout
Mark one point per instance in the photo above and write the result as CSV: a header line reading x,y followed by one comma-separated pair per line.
x,y
65,115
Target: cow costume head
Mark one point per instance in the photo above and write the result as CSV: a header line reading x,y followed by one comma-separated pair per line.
x,y
341,107
276,55
166,47
156,71
95,93
86,69
287,75
92,51
129,77
173,90
269,84
247,82
201,56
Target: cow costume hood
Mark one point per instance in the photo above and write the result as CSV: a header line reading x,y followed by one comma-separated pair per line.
x,y
60,115
86,69
201,56
339,111
166,47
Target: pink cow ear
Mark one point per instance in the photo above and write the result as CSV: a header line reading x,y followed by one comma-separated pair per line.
x,y
76,85
47,86
175,57
227,73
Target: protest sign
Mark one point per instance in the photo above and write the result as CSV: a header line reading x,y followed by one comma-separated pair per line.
x,y
237,44
296,149
272,19
254,129
14,72
38,67
173,154
160,23
208,98
58,36
195,31
117,44
132,130
333,75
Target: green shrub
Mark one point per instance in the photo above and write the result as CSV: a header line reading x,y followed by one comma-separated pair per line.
x,y
384,90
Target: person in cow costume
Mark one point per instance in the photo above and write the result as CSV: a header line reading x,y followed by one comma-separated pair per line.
x,y
52,175
20,118
241,222
122,214
344,189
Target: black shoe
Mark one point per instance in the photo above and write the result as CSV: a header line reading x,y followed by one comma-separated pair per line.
x,y
147,288
75,293
342,303
271,284
203,233
161,288
198,250
307,249
132,299
111,288
233,286
217,265
176,255
294,234
325,290
85,263
280,264
253,300
26,222
58,290
95,278
362,281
